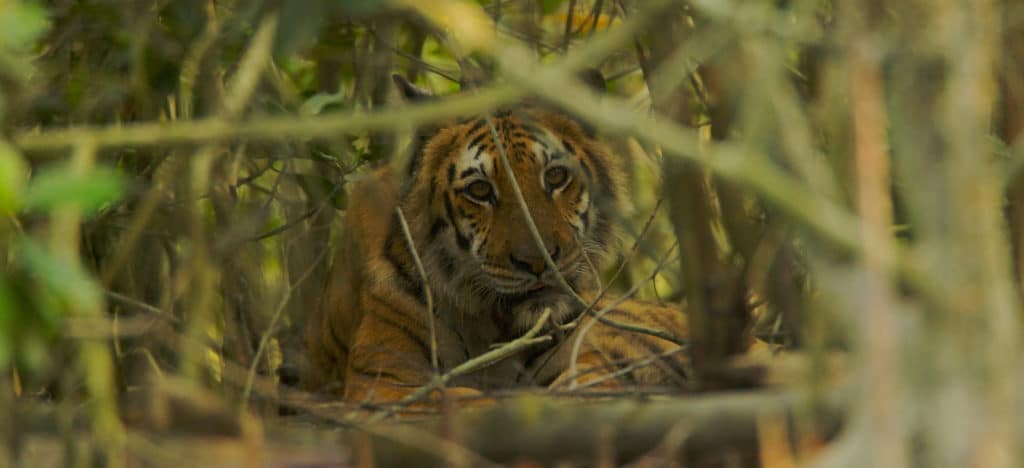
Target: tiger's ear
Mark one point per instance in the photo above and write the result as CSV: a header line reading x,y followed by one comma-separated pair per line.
x,y
411,92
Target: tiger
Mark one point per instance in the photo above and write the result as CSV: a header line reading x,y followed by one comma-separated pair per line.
x,y
447,241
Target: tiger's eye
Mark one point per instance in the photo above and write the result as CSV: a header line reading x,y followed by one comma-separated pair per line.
x,y
480,190
556,177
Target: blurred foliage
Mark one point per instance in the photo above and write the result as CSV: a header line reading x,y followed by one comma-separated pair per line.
x,y
835,177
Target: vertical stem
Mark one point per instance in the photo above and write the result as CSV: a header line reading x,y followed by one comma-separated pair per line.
x,y
879,337
568,26
977,197
94,358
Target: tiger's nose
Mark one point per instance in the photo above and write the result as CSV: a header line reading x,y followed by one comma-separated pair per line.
x,y
533,264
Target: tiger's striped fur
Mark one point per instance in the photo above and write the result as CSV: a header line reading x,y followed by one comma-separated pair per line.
x,y
488,278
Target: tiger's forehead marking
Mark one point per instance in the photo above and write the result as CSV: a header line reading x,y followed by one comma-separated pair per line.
x,y
548,148
474,159
480,154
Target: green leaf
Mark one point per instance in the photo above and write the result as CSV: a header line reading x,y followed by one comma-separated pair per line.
x,y
317,102
64,279
549,6
61,186
12,177
21,24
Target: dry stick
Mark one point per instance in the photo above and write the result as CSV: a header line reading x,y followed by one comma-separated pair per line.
x,y
627,369
535,233
426,288
880,338
598,6
472,365
142,305
568,26
632,251
682,63
93,358
247,389
598,316
448,75
408,435
194,57
243,83
294,222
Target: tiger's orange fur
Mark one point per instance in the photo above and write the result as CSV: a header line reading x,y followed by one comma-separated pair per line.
x,y
370,340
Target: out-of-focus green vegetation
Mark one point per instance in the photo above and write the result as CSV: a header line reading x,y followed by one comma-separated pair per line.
x,y
838,177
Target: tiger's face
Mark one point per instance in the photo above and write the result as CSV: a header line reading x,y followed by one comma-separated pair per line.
x,y
480,242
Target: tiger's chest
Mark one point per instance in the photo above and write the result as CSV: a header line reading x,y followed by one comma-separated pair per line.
x,y
467,338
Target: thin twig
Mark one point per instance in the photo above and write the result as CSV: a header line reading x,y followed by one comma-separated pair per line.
x,y
639,363
568,26
292,223
426,288
142,305
472,365
598,6
599,315
269,332
632,251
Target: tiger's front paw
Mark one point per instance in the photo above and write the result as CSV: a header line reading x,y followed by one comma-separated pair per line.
x,y
526,314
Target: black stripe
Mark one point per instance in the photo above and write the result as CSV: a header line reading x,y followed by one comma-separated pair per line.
x,y
404,328
477,126
333,335
436,228
535,131
451,174
602,229
468,172
653,350
602,174
662,322
569,147
450,212
587,172
408,283
446,262
419,141
460,239
375,373
479,138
